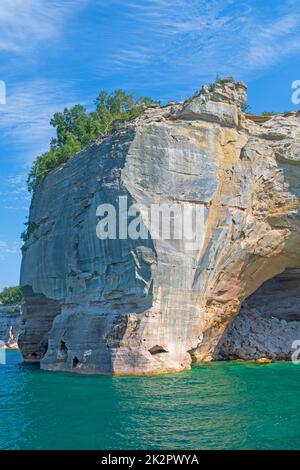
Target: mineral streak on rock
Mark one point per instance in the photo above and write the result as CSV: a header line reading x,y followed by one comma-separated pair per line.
x,y
152,306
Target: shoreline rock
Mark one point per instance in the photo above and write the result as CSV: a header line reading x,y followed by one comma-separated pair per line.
x,y
155,306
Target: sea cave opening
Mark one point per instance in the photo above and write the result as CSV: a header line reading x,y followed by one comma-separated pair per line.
x,y
62,352
268,322
75,362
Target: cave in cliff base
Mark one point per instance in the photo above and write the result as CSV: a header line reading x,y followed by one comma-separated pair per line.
x,y
268,322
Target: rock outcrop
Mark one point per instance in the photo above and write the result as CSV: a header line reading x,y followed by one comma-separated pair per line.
x,y
9,326
138,306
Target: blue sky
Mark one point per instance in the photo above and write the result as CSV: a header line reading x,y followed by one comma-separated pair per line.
x,y
55,53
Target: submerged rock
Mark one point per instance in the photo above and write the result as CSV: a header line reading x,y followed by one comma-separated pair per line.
x,y
263,360
136,306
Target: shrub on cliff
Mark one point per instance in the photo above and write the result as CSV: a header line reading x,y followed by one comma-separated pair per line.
x,y
10,296
268,113
75,128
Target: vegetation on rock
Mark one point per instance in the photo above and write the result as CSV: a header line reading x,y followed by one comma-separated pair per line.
x,y
76,128
246,108
30,227
268,113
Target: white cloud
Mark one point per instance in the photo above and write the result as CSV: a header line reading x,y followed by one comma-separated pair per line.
x,y
274,41
196,39
25,23
178,16
28,110
7,249
14,193
135,55
24,26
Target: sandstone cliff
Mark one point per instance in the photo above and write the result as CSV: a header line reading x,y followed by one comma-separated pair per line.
x,y
152,306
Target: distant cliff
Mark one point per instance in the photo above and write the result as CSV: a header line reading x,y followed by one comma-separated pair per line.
x,y
9,325
132,306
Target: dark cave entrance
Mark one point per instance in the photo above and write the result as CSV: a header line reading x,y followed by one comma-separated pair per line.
x,y
62,352
75,362
268,322
38,314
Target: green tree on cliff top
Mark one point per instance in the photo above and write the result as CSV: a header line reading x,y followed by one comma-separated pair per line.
x,y
76,128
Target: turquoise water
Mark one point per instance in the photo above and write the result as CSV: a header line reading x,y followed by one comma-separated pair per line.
x,y
214,406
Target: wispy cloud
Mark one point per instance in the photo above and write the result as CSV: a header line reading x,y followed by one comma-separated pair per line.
x,y
24,24
29,107
7,249
178,16
197,39
135,55
274,41
14,193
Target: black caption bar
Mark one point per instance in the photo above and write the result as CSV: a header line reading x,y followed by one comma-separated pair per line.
x,y
134,459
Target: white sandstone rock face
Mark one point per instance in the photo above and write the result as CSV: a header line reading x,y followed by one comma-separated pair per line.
x,y
136,306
